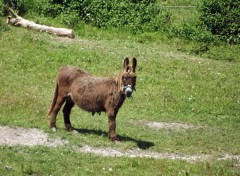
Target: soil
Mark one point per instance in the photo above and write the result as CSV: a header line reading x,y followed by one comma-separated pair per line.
x,y
140,153
173,125
12,136
27,137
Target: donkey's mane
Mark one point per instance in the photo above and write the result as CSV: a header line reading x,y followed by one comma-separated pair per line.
x,y
118,81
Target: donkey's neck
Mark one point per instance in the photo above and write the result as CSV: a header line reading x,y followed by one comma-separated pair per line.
x,y
116,98
115,84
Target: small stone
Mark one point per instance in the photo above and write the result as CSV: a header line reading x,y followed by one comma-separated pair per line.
x,y
8,167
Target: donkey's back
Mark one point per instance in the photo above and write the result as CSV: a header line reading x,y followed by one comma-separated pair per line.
x,y
68,74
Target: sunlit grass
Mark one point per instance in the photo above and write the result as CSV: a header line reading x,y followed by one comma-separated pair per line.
x,y
172,86
59,161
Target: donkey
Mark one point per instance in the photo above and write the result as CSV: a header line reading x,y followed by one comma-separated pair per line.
x,y
92,94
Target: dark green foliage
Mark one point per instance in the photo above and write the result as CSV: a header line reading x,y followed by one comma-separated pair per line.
x,y
21,6
217,21
49,9
1,8
136,16
222,18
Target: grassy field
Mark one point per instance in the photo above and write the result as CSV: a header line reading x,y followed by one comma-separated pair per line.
x,y
172,86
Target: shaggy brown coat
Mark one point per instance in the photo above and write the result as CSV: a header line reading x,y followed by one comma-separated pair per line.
x,y
93,94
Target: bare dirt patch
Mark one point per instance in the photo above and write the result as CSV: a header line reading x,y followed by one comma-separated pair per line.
x,y
140,154
170,125
148,154
28,137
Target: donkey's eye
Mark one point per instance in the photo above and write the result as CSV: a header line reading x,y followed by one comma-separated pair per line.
x,y
125,78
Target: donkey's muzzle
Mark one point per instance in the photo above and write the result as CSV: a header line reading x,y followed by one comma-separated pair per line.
x,y
128,90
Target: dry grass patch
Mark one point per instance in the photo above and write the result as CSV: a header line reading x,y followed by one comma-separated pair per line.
x,y
170,125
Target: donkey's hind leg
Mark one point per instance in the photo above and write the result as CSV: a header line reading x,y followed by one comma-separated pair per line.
x,y
66,113
59,103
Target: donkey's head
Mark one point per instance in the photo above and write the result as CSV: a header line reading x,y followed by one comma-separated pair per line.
x,y
129,77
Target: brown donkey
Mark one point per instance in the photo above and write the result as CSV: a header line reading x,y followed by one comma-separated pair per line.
x,y
93,94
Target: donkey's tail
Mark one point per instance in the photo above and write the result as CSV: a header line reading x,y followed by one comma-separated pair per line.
x,y
54,99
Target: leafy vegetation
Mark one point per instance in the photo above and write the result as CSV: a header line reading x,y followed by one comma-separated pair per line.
x,y
218,17
222,18
197,26
137,16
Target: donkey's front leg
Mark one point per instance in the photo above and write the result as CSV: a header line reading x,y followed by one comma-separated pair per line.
x,y
112,127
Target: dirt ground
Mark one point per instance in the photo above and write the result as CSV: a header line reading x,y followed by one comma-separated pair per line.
x,y
27,137
12,136
173,125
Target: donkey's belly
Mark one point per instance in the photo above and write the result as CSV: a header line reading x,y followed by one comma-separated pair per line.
x,y
89,103
90,106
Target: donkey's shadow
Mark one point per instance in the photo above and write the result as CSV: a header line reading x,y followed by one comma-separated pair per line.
x,y
140,143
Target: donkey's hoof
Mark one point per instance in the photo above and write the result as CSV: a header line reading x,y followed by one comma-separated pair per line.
x,y
74,131
54,129
115,139
68,127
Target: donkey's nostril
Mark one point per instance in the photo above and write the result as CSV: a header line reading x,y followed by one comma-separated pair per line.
x,y
128,94
128,91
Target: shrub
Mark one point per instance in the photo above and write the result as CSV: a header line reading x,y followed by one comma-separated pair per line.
x,y
48,8
18,5
134,15
222,18
21,6
137,16
191,31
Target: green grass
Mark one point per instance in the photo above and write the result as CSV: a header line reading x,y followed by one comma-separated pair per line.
x,y
172,86
178,3
59,161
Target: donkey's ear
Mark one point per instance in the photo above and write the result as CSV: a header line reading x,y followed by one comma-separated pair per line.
x,y
126,63
134,64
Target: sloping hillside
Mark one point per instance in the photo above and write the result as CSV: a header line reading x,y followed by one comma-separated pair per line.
x,y
173,87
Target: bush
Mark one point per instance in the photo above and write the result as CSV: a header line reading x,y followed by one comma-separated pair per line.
x,y
137,16
20,6
48,8
191,31
222,18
